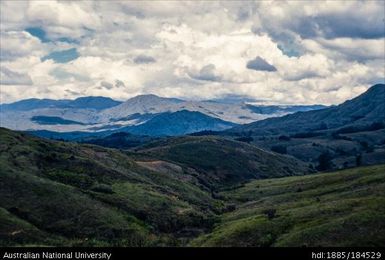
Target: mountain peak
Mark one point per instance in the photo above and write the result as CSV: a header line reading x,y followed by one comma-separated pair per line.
x,y
375,95
178,123
379,85
151,98
146,96
94,102
378,88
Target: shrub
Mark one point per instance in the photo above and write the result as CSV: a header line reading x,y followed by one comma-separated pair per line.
x,y
376,126
284,138
270,213
367,148
102,188
279,149
358,160
324,161
230,208
246,139
307,135
51,157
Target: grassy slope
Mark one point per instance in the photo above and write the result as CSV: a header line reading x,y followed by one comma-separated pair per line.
x,y
221,162
88,195
344,208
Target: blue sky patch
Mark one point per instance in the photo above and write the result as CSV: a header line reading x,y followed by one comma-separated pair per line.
x,y
68,40
38,33
62,56
42,35
290,52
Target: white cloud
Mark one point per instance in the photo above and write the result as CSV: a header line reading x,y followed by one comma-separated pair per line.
x,y
323,52
16,44
347,48
9,77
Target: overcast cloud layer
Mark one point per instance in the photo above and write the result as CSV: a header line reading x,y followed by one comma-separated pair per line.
x,y
282,52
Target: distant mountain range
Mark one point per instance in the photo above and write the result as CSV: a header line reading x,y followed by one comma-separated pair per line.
x,y
144,114
97,103
157,116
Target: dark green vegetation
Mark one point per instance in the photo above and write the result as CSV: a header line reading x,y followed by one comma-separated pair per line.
x,y
344,208
348,135
221,162
89,195
328,150
55,193
180,191
120,140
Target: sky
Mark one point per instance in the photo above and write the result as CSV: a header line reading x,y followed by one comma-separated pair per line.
x,y
276,52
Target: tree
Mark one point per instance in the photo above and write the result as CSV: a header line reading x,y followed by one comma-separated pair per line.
x,y
358,159
324,161
270,213
279,149
284,138
246,139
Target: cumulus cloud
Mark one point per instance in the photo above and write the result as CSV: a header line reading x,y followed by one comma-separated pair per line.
x,y
207,72
360,50
331,19
106,85
9,77
302,75
16,44
260,64
281,52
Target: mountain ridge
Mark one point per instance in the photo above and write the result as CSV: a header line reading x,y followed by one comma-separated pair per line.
x,y
94,114
178,123
90,102
367,107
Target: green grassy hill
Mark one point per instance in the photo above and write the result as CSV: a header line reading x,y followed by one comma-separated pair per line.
x,y
88,195
344,208
220,162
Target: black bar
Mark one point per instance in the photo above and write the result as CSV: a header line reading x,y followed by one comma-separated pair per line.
x,y
191,253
